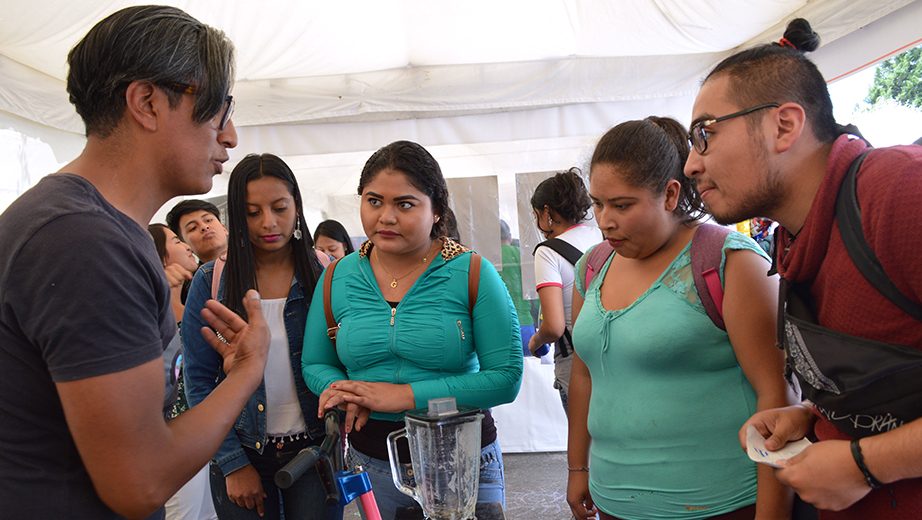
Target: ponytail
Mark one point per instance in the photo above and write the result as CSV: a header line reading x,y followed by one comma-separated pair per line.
x,y
565,194
649,154
780,73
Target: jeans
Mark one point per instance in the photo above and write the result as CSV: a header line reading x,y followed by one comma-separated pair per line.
x,y
305,499
491,488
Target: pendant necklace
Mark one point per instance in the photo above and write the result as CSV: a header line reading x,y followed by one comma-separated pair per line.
x,y
394,279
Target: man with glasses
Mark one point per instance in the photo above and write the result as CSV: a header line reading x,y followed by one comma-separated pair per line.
x,y
85,308
765,144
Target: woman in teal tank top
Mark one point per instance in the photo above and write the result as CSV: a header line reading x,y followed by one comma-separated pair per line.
x,y
658,393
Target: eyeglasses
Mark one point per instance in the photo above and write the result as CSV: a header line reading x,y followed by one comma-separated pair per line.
x,y
698,137
228,101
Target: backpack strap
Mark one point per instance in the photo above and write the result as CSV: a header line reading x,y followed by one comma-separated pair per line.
x,y
216,274
596,259
332,326
563,248
706,253
848,220
473,282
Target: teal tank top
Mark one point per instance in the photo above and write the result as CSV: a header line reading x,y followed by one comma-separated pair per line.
x,y
668,398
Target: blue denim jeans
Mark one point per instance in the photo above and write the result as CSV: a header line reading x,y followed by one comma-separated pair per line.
x,y
304,500
491,488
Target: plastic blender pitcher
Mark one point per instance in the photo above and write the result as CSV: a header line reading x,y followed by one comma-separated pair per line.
x,y
445,454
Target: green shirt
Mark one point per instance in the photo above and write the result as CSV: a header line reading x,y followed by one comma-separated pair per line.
x,y
512,277
430,340
668,398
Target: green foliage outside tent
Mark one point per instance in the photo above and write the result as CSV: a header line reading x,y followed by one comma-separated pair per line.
x,y
898,78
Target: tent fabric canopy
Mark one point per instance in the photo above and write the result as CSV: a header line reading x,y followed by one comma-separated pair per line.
x,y
368,61
492,89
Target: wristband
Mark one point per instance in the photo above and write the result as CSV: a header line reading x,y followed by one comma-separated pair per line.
x,y
584,468
859,460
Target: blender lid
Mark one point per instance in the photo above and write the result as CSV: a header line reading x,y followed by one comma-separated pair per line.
x,y
441,409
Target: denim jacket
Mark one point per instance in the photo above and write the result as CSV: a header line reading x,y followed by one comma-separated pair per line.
x,y
203,370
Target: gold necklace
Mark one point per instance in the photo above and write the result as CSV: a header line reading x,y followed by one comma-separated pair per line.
x,y
395,278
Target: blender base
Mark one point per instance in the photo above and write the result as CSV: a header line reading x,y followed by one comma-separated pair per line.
x,y
483,511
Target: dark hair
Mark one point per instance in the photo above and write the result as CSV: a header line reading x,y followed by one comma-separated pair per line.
x,y
159,44
334,231
504,232
565,193
780,73
240,271
648,154
423,172
186,207
156,231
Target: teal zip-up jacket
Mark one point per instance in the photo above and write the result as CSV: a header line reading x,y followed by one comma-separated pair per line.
x,y
429,341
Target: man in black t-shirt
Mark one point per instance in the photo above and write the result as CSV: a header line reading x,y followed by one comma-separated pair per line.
x,y
84,303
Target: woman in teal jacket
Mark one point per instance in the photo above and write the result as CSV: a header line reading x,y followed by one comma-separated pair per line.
x,y
406,332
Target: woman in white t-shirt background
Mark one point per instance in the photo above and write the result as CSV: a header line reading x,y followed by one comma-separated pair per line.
x,y
560,204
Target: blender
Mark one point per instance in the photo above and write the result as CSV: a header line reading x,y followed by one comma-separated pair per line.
x,y
445,455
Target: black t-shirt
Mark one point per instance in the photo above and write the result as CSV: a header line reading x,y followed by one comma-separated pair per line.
x,y
82,294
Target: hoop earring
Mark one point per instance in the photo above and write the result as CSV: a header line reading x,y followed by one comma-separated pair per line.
x,y
297,233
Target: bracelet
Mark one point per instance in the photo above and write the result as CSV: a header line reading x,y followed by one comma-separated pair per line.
x,y
584,468
859,460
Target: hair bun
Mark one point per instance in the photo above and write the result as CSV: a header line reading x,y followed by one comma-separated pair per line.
x,y
800,35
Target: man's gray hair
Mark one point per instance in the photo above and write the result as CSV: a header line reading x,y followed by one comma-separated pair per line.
x,y
159,44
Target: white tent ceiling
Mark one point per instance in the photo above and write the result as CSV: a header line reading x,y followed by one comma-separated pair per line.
x,y
491,87
312,61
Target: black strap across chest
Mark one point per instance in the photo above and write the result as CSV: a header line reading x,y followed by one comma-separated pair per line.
x,y
563,248
570,254
848,218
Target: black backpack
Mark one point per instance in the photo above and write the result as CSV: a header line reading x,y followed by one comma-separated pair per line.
x,y
864,387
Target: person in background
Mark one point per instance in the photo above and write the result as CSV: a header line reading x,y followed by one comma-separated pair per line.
x,y
511,273
658,391
269,252
766,144
193,500
198,223
331,238
407,333
178,262
560,205
85,310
